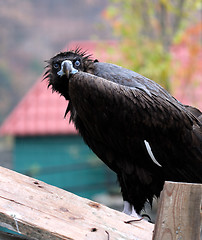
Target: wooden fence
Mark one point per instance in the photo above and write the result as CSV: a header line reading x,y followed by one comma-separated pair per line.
x,y
41,211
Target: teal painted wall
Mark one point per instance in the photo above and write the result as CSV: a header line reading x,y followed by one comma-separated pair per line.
x,y
63,161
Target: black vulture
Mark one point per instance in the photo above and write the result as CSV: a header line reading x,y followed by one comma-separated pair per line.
x,y
131,123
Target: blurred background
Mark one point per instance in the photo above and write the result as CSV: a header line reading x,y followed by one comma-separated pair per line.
x,y
159,39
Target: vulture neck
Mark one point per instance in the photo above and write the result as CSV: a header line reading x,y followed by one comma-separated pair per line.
x,y
72,111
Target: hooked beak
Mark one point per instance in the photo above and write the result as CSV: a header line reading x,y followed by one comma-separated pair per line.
x,y
67,69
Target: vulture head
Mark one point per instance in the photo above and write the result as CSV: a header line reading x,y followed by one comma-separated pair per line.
x,y
61,67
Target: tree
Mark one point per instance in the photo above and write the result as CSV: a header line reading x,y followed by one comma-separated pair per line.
x,y
147,29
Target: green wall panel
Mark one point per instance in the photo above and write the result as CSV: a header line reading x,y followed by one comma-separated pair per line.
x,y
63,161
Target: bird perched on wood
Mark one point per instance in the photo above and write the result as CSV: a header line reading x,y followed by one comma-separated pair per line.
x,y
131,123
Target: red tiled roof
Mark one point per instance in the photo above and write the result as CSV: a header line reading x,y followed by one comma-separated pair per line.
x,y
41,112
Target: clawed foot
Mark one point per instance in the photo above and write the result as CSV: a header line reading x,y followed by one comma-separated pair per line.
x,y
129,210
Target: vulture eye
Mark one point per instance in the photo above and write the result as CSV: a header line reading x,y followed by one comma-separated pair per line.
x,y
77,63
56,65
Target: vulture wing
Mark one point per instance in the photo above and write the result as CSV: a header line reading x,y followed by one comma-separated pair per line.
x,y
129,78
137,128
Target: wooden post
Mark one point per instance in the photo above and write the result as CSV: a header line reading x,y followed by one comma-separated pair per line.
x,y
179,212
41,211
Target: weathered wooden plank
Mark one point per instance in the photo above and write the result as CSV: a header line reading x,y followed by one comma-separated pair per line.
x,y
42,211
179,212
9,236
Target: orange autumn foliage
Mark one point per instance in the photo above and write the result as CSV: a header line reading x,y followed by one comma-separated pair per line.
x,y
187,61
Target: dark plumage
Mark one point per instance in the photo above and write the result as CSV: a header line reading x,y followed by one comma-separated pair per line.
x,y
131,123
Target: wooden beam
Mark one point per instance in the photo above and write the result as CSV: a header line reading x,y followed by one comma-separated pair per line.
x,y
179,212
41,211
9,236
